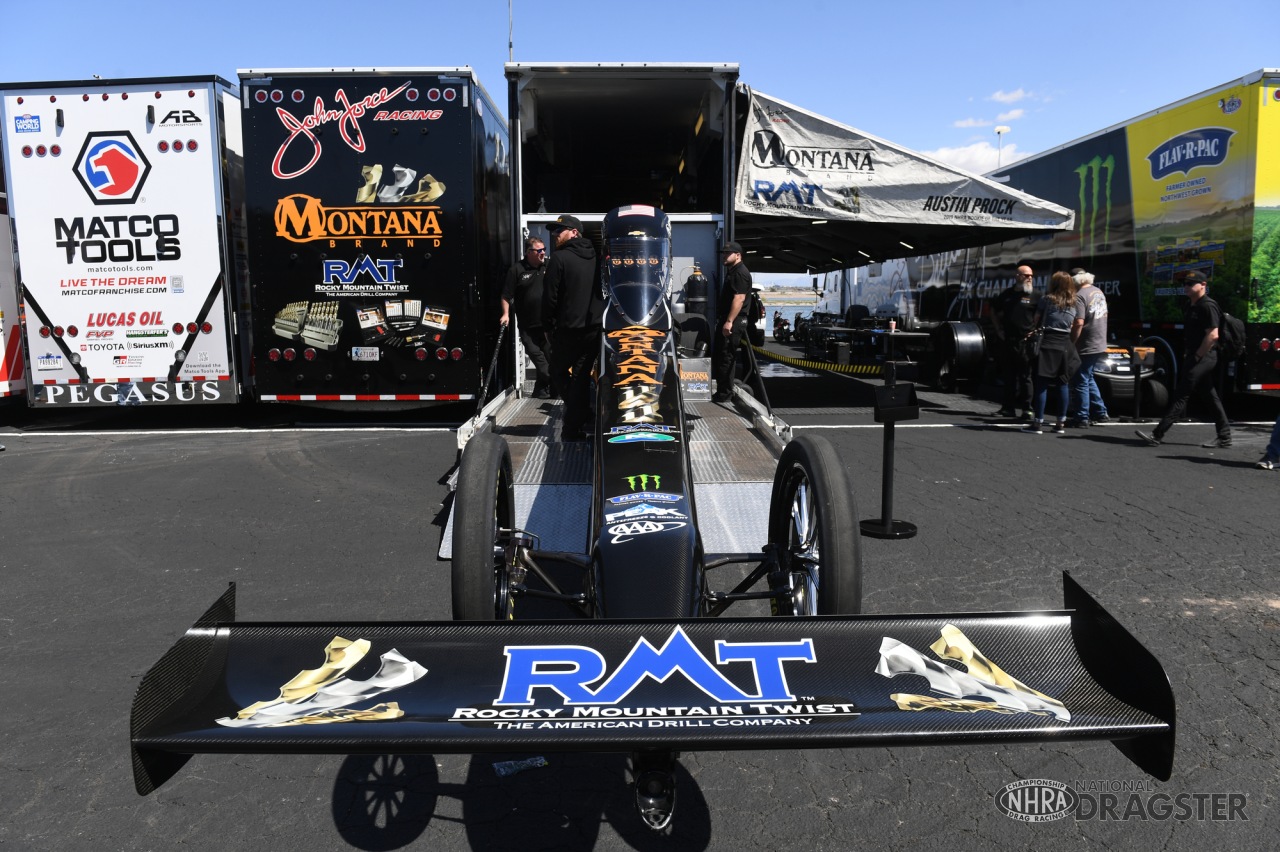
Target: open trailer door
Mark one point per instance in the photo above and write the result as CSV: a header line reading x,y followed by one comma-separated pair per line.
x,y
813,194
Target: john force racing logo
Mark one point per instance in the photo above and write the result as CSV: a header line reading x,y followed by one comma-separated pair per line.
x,y
112,168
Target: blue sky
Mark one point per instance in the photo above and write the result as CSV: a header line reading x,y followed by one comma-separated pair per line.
x,y
933,76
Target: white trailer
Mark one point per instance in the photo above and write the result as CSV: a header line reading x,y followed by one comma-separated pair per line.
x,y
121,208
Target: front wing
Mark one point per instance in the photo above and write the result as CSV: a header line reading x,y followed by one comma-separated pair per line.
x,y
827,682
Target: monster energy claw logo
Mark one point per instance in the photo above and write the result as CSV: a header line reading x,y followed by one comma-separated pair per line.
x,y
1091,184
643,481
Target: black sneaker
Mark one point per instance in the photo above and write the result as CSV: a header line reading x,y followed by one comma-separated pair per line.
x,y
1060,428
721,397
1148,439
1217,443
1077,423
1033,428
1004,412
1098,421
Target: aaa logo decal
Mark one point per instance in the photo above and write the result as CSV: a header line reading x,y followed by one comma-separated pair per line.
x,y
112,168
623,533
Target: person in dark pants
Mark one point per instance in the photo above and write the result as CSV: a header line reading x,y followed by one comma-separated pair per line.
x,y
731,322
572,309
1201,322
1014,313
523,288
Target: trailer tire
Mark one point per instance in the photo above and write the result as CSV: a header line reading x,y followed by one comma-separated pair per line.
x,y
813,528
483,503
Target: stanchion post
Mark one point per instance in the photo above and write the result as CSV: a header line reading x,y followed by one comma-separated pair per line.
x,y
894,402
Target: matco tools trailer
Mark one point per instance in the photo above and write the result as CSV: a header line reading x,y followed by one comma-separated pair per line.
x,y
119,200
378,215
12,379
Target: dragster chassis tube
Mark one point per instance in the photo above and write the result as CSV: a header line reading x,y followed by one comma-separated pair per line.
x,y
688,684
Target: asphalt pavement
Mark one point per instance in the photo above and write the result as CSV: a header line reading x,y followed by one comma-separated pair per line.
x,y
118,530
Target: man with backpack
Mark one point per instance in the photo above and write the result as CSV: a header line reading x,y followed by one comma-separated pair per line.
x,y
1201,322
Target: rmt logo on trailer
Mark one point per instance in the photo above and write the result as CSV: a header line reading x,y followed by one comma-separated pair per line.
x,y
112,168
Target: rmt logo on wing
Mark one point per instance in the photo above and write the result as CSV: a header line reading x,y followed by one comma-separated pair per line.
x,y
112,168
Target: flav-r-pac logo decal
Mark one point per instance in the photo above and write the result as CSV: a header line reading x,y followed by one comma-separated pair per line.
x,y
1206,146
111,167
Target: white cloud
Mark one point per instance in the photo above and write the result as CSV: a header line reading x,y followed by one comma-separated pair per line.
x,y
1010,97
1011,115
979,158
971,122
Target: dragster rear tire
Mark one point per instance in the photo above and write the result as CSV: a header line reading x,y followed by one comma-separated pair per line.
x,y
813,524
483,503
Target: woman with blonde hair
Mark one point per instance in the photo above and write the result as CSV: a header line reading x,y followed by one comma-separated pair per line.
x,y
1059,319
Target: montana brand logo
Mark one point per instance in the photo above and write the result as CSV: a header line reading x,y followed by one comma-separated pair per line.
x,y
1204,147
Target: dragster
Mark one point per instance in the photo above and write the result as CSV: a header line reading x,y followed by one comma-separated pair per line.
x,y
642,662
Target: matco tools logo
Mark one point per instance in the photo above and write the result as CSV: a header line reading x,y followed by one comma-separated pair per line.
x,y
111,167
1204,147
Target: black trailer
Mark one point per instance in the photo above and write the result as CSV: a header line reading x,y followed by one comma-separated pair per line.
x,y
378,225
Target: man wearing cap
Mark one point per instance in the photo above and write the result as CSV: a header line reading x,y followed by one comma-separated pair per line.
x,y
1087,405
523,288
731,312
572,308
1201,321
1013,313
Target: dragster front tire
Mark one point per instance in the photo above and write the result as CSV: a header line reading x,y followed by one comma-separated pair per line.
x,y
813,527
483,503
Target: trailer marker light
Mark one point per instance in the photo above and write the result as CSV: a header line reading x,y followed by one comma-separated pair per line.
x,y
191,144
44,331
442,354
177,328
53,99
456,353
157,96
163,146
177,144
297,95
72,331
411,94
433,94
420,354
450,94
206,327
276,96
26,151
57,331
191,93
260,96
192,328
19,100
56,150
82,97
290,355
105,96
273,355
1264,345
124,96
41,150
309,354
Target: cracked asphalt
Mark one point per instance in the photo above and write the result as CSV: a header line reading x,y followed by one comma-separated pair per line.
x,y
119,532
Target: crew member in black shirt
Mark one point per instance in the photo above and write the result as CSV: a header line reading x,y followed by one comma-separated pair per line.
x,y
1201,322
731,310
572,309
1014,313
524,288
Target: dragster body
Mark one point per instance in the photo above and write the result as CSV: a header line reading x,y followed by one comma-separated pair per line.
x,y
640,664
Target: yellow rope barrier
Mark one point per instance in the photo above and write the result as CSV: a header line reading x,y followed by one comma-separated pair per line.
x,y
804,364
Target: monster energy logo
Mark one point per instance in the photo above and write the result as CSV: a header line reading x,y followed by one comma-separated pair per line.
x,y
644,479
1090,175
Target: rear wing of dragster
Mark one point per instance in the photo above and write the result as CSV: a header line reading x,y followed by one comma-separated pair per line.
x,y
705,684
